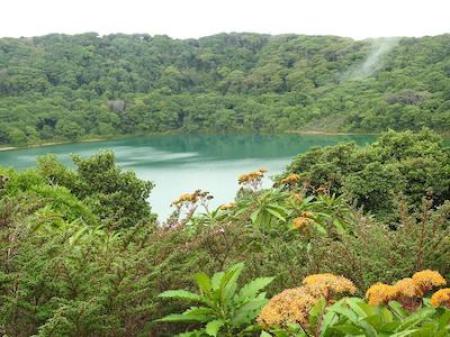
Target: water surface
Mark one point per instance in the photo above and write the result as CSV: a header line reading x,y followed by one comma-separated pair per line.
x,y
184,163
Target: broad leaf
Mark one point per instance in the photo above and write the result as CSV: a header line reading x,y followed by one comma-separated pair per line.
x,y
252,288
183,295
203,282
213,327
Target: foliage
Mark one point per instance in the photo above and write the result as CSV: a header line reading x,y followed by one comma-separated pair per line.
x,y
224,310
82,256
375,251
309,315
118,198
406,163
64,88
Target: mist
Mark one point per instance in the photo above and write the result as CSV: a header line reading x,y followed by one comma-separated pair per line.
x,y
375,60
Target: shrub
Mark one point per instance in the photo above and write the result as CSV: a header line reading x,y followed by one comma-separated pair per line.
x,y
223,308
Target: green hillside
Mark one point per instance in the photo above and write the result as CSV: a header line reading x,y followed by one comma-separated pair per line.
x,y
61,87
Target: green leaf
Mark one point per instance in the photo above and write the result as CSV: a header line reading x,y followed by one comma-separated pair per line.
x,y
444,320
216,280
327,321
404,333
193,333
182,295
203,282
416,318
193,314
228,284
251,289
265,334
275,214
173,318
397,309
339,227
281,209
248,311
320,229
254,216
213,327
315,312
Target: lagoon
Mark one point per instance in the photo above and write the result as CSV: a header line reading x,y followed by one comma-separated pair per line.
x,y
183,163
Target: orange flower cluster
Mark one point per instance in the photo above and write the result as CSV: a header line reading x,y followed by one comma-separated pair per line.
x,y
297,197
293,305
328,285
191,198
441,298
427,279
227,206
252,177
289,306
291,179
380,293
301,222
408,291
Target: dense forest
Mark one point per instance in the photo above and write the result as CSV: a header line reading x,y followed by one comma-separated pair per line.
x,y
348,242
63,88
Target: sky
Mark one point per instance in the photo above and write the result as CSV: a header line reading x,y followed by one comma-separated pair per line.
x,y
196,18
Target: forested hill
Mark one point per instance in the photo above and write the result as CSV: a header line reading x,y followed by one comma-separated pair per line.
x,y
68,87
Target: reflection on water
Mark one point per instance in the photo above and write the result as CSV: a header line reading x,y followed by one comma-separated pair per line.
x,y
183,163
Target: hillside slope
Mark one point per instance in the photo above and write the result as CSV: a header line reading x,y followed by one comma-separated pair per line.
x,y
67,87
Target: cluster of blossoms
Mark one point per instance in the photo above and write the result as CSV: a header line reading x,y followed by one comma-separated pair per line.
x,y
227,206
297,197
291,179
441,298
408,291
252,179
303,221
322,189
328,285
189,200
294,305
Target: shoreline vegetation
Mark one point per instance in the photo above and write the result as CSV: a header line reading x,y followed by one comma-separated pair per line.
x,y
82,253
101,139
3,148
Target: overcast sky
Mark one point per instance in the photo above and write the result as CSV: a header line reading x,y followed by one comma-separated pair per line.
x,y
196,18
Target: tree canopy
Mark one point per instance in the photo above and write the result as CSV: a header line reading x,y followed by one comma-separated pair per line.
x,y
61,87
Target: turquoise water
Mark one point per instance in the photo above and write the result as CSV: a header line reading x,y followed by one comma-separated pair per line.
x,y
184,163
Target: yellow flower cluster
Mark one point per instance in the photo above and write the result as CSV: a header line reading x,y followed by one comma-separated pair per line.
x,y
380,293
293,305
301,222
297,197
407,291
427,279
441,298
329,285
251,177
227,206
408,288
186,197
289,306
191,198
291,179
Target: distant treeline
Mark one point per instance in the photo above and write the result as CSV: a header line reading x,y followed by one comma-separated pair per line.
x,y
60,87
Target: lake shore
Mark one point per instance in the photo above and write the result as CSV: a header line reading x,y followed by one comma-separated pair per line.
x,y
80,141
119,137
329,133
30,146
